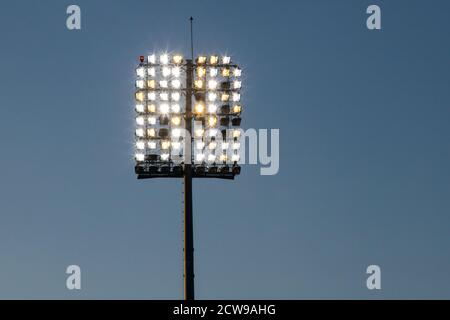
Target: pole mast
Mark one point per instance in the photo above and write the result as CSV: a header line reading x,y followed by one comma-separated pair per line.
x,y
188,216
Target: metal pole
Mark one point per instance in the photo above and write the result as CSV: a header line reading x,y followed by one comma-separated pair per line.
x,y
188,219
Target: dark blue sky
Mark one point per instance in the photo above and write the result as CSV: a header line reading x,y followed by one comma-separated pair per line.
x,y
364,164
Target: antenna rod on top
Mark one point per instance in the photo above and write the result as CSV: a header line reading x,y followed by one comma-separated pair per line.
x,y
192,40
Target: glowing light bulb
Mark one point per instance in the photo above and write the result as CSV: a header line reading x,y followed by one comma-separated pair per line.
x,y
140,96
198,84
164,59
151,58
152,120
212,84
140,145
176,83
140,121
166,71
199,108
164,108
140,132
151,84
213,59
201,72
212,108
176,72
175,96
212,96
176,121
213,72
140,108
177,59
140,72
212,121
176,108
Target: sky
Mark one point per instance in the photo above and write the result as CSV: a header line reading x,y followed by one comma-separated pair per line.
x,y
364,173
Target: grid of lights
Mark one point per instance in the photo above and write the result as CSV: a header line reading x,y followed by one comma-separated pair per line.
x,y
160,114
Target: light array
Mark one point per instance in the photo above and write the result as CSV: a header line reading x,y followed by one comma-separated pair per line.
x,y
161,115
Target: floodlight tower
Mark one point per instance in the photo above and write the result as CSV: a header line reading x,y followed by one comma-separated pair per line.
x,y
174,140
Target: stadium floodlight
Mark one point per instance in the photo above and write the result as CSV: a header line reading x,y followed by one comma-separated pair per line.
x,y
188,114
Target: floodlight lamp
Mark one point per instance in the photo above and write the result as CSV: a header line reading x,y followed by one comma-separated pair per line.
x,y
199,157
176,121
212,96
151,72
140,145
175,96
225,72
226,60
224,97
199,108
151,59
165,144
199,132
152,120
201,72
212,145
213,59
140,108
176,133
140,72
176,72
151,84
200,145
199,84
166,71
140,157
212,108
164,58
177,59
176,84
212,121
140,96
164,96
201,60
213,72
151,132
212,84
176,108
164,108
140,132
140,121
